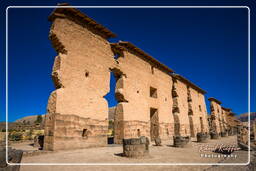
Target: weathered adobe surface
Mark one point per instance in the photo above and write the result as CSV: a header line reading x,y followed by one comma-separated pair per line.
x,y
219,116
135,87
77,112
81,76
190,106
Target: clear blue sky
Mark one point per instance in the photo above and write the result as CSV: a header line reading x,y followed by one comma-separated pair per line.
x,y
207,46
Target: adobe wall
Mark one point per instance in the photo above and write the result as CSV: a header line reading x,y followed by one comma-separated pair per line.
x,y
148,93
199,111
216,110
224,114
77,112
187,100
133,111
180,108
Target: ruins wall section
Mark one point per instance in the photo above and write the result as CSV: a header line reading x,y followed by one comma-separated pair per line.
x,y
134,109
224,114
216,115
199,111
77,112
182,103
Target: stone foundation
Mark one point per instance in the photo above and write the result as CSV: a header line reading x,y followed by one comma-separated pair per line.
x,y
166,131
14,156
135,129
131,129
71,132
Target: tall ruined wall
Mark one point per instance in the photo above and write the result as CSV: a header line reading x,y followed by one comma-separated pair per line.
x,y
216,116
204,113
151,101
224,114
180,108
135,107
77,111
199,111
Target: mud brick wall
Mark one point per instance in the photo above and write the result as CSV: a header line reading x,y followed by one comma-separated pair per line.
x,y
135,129
224,114
180,107
166,131
81,76
150,103
72,131
216,114
133,88
199,111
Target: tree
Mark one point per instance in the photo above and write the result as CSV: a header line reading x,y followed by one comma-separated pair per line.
x,y
39,119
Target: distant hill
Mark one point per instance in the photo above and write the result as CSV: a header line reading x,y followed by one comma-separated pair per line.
x,y
27,120
244,117
11,125
30,119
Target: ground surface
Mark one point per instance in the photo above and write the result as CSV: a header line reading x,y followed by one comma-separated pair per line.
x,y
158,154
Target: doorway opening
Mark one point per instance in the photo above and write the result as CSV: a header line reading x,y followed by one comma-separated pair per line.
x,y
112,102
154,124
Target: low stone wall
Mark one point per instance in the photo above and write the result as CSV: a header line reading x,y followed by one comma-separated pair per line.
x,y
14,156
136,147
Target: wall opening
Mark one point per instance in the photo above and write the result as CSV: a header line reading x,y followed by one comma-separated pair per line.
x,y
85,133
154,124
153,92
112,102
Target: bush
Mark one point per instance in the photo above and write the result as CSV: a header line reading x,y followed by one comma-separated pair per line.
x,y
15,136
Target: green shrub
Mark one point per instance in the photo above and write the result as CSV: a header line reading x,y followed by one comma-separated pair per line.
x,y
15,136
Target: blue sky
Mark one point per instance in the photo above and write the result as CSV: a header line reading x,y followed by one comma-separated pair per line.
x,y
207,46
